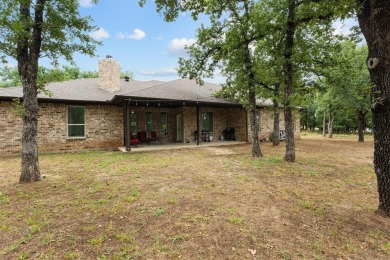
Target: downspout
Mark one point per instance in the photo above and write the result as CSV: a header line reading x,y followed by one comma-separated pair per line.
x,y
197,124
127,126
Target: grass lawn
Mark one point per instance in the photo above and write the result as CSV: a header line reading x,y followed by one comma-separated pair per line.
x,y
208,203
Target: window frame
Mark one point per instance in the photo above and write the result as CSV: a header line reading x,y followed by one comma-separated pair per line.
x,y
133,115
68,124
146,121
212,122
166,123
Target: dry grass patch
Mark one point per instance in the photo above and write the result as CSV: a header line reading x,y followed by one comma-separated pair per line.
x,y
209,203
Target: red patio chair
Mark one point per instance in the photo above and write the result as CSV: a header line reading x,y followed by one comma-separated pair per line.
x,y
155,137
142,137
134,140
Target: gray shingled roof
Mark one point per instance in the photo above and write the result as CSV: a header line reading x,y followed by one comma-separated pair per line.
x,y
82,90
88,90
180,89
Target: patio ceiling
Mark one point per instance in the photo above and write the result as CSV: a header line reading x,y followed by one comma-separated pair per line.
x,y
170,103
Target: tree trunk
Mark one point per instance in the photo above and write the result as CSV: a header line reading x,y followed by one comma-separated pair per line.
x,y
305,127
275,134
28,51
30,163
256,152
288,70
330,126
324,124
361,119
374,21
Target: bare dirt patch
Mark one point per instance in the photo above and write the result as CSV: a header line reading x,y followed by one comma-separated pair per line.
x,y
220,150
210,203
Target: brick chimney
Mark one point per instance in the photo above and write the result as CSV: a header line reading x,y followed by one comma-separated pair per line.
x,y
109,74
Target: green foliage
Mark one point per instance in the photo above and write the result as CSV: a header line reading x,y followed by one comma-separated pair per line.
x,y
252,42
258,26
126,73
10,77
29,31
18,107
62,24
347,87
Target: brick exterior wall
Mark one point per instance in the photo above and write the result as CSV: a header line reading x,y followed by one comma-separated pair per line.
x,y
104,125
237,118
10,129
267,123
103,128
109,74
222,118
140,113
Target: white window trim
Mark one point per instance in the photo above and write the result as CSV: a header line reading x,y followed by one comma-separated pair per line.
x,y
67,124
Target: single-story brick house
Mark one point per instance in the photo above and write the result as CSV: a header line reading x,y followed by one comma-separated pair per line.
x,y
99,113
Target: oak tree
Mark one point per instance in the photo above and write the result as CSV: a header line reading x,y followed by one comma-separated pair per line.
x,y
30,30
374,20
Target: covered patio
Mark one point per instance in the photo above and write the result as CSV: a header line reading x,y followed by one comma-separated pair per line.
x,y
182,113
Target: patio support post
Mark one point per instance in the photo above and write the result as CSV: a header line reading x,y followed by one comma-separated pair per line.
x,y
197,123
127,126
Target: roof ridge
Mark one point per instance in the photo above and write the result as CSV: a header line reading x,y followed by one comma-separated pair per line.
x,y
161,83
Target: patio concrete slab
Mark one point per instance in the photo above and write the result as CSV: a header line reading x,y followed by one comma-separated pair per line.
x,y
176,146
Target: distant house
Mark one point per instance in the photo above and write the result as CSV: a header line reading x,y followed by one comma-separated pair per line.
x,y
100,113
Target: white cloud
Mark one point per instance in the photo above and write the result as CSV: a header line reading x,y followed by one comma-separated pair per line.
x,y
159,72
176,46
100,34
138,34
85,3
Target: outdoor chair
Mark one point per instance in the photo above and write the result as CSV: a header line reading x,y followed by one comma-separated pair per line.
x,y
142,137
155,137
229,135
206,136
134,140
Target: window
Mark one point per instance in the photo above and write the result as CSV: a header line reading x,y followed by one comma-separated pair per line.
x,y
148,122
163,123
207,122
133,123
76,121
